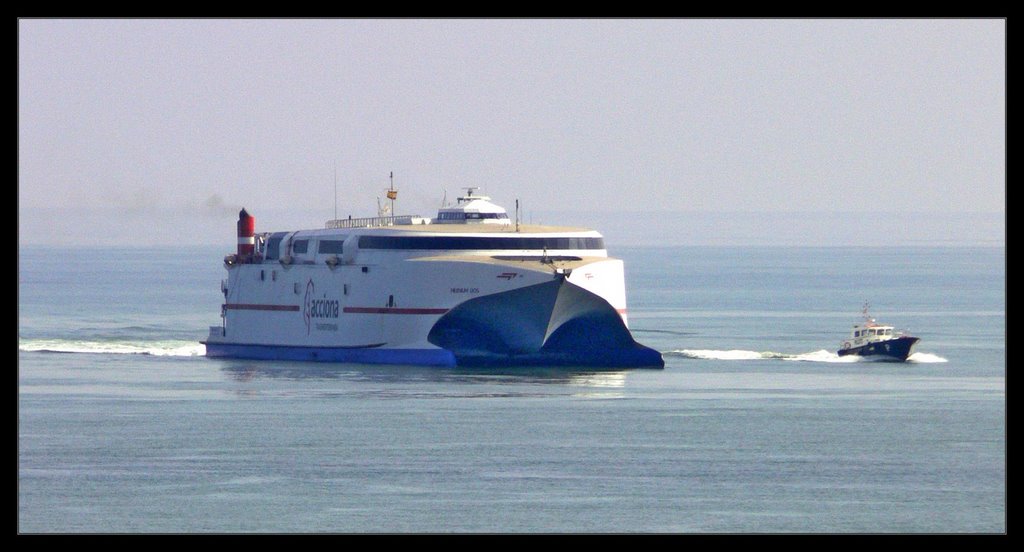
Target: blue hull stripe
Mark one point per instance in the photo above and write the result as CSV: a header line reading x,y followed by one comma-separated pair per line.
x,y
364,355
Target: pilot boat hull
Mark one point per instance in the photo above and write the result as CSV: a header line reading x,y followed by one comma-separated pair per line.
x,y
896,350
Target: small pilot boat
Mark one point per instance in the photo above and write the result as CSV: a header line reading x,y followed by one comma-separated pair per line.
x,y
878,341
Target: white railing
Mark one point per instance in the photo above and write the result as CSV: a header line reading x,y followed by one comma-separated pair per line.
x,y
367,222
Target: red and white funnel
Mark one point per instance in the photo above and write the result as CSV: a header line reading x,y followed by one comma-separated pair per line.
x,y
246,234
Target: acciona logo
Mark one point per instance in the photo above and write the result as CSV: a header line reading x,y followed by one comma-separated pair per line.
x,y
318,307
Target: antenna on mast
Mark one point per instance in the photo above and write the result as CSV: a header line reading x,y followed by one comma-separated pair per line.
x,y
517,214
335,190
392,193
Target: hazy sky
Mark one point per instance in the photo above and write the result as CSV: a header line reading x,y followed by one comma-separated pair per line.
x,y
150,131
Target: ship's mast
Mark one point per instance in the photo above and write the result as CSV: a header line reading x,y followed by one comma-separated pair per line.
x,y
392,193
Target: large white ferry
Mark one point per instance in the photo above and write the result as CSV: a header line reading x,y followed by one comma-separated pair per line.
x,y
469,287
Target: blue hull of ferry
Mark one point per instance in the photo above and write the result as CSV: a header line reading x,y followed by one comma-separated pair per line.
x,y
638,356
361,355
551,324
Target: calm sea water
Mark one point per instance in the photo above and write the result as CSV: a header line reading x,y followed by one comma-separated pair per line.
x,y
754,425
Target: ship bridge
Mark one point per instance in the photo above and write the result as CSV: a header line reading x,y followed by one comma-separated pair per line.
x,y
473,209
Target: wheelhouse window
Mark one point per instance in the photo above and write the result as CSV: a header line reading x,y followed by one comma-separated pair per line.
x,y
476,242
300,246
470,216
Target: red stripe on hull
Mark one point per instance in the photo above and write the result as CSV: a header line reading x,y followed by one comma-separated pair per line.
x,y
250,306
391,310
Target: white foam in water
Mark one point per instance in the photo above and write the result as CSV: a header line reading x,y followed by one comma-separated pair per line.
x,y
815,356
158,348
709,354
925,357
822,356
732,354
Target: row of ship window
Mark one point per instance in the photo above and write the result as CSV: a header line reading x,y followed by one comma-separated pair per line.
x,y
335,246
470,216
859,333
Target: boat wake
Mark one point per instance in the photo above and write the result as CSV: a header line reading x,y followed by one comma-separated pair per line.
x,y
152,348
192,349
925,358
815,356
